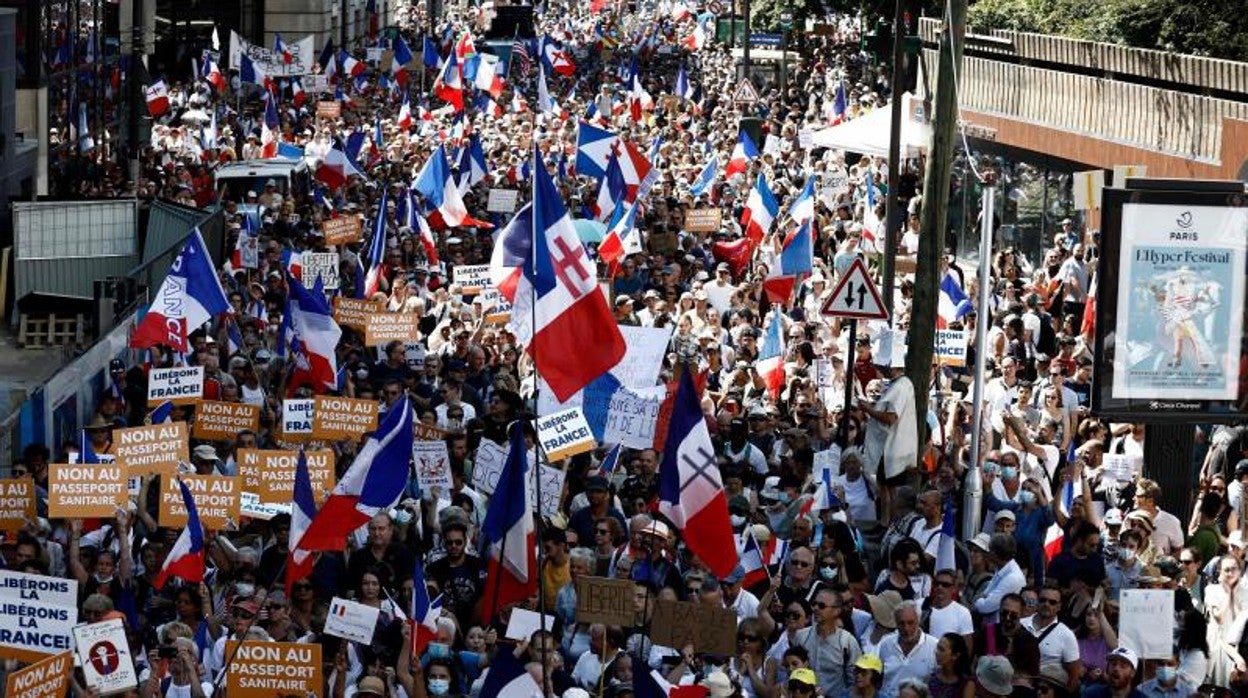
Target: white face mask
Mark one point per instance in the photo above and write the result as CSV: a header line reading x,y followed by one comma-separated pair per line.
x,y
737,521
439,687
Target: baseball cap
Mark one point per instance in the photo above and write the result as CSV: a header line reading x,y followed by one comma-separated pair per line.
x,y
1127,655
866,661
807,676
1113,517
1004,514
370,685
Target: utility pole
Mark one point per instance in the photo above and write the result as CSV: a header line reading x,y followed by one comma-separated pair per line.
x,y
745,45
894,162
935,211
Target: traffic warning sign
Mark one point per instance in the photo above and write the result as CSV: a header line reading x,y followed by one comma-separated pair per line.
x,y
855,297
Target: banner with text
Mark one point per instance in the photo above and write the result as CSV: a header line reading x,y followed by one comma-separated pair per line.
x,y
336,418
37,615
151,449
216,500
180,385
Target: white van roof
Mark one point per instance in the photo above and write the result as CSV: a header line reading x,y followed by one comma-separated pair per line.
x,y
272,167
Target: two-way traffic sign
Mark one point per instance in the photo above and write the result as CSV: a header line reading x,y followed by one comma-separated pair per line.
x,y
855,297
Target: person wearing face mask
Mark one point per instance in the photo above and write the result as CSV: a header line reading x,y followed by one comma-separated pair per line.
x,y
1034,516
1126,569
1167,682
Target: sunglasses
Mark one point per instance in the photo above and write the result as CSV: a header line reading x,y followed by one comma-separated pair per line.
x,y
821,606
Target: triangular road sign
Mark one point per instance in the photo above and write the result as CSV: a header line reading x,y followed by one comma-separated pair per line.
x,y
855,297
745,92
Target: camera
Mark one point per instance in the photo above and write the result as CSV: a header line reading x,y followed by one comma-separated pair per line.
x,y
167,652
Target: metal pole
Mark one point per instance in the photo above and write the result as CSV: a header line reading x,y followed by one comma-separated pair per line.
x,y
849,381
894,165
973,498
137,101
745,45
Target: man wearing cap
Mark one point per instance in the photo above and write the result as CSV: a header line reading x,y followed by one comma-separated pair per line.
x,y
624,311
719,291
598,492
206,461
1122,663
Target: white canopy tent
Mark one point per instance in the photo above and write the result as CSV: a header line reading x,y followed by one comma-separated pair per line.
x,y
869,134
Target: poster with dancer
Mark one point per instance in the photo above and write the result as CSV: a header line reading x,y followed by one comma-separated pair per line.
x,y
1180,299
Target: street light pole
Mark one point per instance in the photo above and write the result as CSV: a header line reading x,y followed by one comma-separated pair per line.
x,y
894,163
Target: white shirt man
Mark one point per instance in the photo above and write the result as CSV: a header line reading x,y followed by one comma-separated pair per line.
x,y
907,653
1058,644
944,615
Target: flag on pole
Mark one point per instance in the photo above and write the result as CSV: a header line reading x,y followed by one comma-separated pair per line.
x,y
186,559
189,296
302,511
508,533
770,365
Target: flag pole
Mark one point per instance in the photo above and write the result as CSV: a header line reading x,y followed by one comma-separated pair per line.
x,y
537,442
264,593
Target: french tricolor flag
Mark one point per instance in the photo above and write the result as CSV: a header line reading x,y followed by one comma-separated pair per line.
x,y
761,209
511,249
611,190
622,238
449,85
186,559
405,114
424,613
351,66
335,168
372,484
189,297
438,187
509,535
312,323
770,364
742,154
952,304
691,493
299,562
839,107
752,559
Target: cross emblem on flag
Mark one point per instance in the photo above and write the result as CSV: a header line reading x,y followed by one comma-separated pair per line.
x,y
569,257
698,470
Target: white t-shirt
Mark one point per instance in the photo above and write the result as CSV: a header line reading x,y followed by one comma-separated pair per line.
x,y
1060,646
858,497
954,618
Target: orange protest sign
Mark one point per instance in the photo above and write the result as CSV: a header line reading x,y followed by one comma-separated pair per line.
x,y
17,503
267,669
271,474
80,491
221,421
342,230
47,678
337,418
151,449
216,501
354,313
383,328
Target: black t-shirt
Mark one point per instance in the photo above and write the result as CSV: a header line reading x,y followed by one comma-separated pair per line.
x,y
1066,567
460,586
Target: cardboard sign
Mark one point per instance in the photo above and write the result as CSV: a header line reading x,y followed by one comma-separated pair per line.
x,y
323,266
48,678
632,416
433,464
270,475
181,385
105,656
426,432
523,623
37,615
297,418
151,449
351,621
709,629
495,309
1146,622
950,347
383,328
266,669
354,312
703,220
565,434
342,230
83,491
216,501
502,201
488,466
603,600
221,421
471,278
336,418
17,502
328,109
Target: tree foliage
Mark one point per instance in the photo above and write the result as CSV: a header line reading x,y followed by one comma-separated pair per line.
x,y
1181,26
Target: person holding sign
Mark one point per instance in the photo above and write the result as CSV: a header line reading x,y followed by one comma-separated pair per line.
x,y
176,676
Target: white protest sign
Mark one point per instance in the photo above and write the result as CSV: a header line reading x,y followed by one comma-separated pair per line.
x,y
488,466
1120,467
552,489
351,621
1146,622
297,417
270,62
251,507
471,278
37,615
433,464
950,347
313,84
373,55
644,350
565,434
502,200
104,654
771,144
523,623
632,416
836,181
180,385
323,266
805,138
829,460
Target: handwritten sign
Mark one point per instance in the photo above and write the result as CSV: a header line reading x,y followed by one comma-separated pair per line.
x,y
632,416
181,385
323,266
221,421
472,278
216,501
1146,622
37,615
488,466
104,653
17,503
502,200
950,347
351,621
709,629
336,418
266,669
151,449
354,312
342,230
565,434
297,418
47,678
328,109
1120,467
523,623
703,220
86,490
271,474
433,464
383,328
603,600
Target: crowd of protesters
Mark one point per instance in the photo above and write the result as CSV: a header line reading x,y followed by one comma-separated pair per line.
x,y
858,595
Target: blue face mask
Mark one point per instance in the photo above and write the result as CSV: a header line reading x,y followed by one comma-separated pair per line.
x,y
1167,674
1027,497
1009,472
439,687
